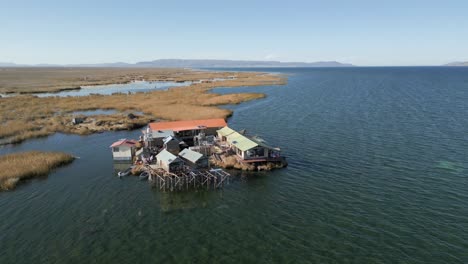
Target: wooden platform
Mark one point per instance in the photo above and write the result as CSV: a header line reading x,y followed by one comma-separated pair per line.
x,y
186,179
259,160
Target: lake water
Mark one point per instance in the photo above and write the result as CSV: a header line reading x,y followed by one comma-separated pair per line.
x,y
378,173
133,87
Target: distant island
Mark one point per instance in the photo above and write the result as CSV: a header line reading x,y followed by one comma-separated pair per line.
x,y
181,63
457,63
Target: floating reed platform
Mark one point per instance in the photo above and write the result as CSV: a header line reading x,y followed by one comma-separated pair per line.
x,y
186,179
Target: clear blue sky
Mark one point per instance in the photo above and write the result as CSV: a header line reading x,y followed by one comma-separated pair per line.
x,y
398,32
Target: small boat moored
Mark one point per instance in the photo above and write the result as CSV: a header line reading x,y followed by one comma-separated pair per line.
x,y
125,172
143,176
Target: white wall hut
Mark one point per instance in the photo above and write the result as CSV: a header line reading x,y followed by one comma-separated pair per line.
x,y
194,159
168,161
171,144
252,148
123,149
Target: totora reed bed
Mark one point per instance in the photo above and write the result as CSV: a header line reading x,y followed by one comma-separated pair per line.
x,y
27,116
25,165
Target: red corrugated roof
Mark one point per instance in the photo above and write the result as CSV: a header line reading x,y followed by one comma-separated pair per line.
x,y
127,142
188,124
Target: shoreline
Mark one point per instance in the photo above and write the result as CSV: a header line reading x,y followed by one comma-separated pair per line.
x,y
49,80
36,116
39,164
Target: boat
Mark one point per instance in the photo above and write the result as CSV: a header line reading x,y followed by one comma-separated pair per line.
x,y
143,176
125,172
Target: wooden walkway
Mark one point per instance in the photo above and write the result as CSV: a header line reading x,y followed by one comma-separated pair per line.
x,y
187,179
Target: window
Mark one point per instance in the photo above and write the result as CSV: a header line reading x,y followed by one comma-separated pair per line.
x,y
116,149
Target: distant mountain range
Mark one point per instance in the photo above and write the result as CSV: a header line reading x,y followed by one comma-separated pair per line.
x,y
457,63
180,63
174,63
8,64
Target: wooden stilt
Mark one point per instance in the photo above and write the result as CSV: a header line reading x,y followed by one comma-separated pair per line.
x,y
188,178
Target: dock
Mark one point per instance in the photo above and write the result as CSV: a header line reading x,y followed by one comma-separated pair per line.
x,y
186,178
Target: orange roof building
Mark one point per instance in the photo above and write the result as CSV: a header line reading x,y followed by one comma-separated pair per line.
x,y
185,125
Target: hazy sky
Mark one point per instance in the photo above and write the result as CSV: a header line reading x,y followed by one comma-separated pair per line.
x,y
397,32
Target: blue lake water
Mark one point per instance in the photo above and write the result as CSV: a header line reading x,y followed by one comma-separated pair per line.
x,y
378,173
133,87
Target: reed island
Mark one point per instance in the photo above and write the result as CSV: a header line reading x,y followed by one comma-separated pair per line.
x,y
26,114
19,167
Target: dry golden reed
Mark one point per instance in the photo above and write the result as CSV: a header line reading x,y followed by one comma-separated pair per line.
x,y
24,165
28,116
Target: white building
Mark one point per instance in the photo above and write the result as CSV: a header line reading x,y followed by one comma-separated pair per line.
x,y
248,148
123,149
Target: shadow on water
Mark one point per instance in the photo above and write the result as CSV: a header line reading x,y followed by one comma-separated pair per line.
x,y
176,202
121,166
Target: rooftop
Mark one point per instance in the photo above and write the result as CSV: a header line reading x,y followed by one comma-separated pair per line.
x,y
166,156
188,124
168,138
226,131
124,142
162,133
261,142
241,142
190,155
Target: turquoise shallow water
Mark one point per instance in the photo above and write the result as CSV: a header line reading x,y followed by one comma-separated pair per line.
x,y
378,173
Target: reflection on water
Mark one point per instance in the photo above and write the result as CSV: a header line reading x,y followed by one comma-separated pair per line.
x,y
171,202
450,166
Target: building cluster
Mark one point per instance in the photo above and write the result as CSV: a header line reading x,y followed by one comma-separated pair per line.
x,y
177,145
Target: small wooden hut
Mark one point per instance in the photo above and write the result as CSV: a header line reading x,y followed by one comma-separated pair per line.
x,y
168,161
194,159
123,149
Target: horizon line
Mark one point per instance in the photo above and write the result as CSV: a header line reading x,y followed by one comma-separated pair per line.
x,y
6,64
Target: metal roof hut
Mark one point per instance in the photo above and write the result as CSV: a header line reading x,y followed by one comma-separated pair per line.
x,y
241,144
168,161
194,159
123,149
224,132
253,149
171,144
187,129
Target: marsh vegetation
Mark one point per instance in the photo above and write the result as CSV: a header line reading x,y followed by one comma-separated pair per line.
x,y
29,116
25,165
